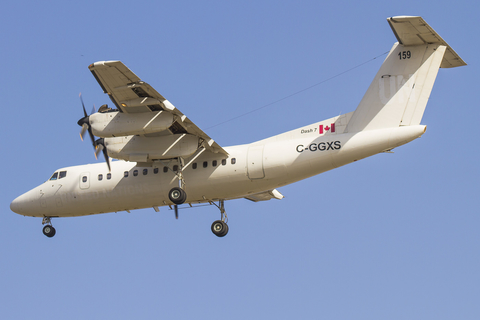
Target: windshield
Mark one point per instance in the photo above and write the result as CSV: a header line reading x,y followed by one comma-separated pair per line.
x,y
56,175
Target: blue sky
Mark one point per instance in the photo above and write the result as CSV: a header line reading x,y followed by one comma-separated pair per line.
x,y
394,236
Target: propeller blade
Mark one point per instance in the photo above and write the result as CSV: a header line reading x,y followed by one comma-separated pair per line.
x,y
92,137
85,123
98,149
98,145
176,211
107,159
83,130
83,105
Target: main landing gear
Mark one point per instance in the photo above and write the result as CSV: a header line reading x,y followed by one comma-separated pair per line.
x,y
178,196
220,227
48,230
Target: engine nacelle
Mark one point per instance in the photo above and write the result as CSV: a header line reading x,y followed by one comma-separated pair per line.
x,y
143,149
117,124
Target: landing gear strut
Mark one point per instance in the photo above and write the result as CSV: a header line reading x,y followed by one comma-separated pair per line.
x,y
220,227
177,194
48,230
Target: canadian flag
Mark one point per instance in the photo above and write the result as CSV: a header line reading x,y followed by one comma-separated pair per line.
x,y
324,129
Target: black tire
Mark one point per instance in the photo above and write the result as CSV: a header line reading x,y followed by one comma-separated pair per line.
x,y
226,230
219,228
49,231
177,195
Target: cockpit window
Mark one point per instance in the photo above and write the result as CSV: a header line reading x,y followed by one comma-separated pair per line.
x,y
56,175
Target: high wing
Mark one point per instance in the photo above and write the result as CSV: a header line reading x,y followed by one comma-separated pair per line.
x,y
133,96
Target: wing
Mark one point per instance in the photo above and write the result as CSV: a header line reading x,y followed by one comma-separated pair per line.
x,y
132,95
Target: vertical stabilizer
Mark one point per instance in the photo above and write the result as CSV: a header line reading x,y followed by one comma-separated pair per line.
x,y
399,92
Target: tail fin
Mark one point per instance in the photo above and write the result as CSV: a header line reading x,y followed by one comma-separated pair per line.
x,y
399,93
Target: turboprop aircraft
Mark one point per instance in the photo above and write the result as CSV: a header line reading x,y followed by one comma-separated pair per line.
x,y
164,159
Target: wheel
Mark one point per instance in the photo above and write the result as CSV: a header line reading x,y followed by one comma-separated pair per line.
x,y
177,195
49,231
219,228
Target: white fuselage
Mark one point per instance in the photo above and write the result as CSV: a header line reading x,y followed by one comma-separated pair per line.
x,y
247,170
148,134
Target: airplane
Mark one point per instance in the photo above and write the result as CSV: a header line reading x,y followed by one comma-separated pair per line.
x,y
164,159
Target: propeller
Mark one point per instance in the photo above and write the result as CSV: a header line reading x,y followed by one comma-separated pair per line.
x,y
84,123
99,144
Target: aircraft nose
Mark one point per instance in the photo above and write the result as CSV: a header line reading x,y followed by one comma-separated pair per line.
x,y
24,204
17,204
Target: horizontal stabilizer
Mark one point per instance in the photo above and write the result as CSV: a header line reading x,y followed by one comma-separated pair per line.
x,y
414,31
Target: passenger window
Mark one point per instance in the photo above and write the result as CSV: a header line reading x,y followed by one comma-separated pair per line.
x,y
63,174
100,177
224,162
175,168
135,173
214,163
125,174
205,164
165,169
109,176
155,170
234,160
194,165
145,171
84,179
54,176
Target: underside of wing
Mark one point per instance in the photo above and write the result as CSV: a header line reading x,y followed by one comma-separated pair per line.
x,y
144,113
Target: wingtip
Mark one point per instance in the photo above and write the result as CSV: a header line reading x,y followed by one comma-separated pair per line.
x,y
103,64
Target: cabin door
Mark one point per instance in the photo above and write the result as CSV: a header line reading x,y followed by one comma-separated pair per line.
x,y
255,163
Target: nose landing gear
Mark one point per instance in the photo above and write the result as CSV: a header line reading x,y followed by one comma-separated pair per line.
x,y
48,230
